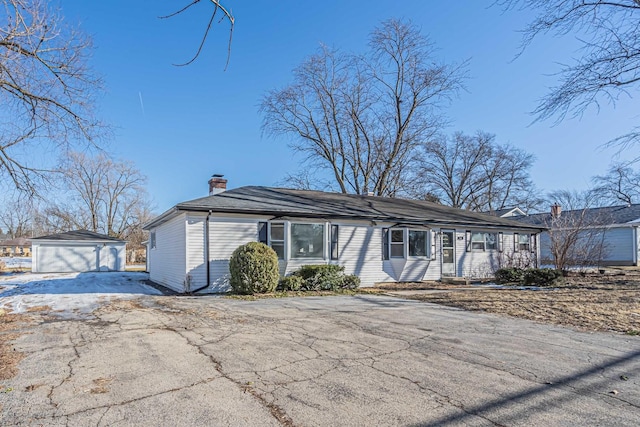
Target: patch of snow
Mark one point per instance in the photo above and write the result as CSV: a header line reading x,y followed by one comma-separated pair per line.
x,y
70,293
17,262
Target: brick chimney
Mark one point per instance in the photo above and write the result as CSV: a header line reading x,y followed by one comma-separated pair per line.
x,y
556,210
217,184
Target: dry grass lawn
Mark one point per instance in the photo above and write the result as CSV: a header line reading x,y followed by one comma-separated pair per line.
x,y
592,303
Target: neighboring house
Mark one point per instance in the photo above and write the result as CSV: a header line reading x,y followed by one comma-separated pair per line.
x,y
508,212
77,251
379,239
615,228
20,247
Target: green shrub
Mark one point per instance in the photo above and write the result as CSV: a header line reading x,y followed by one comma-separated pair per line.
x,y
321,277
350,281
542,276
291,283
254,269
509,275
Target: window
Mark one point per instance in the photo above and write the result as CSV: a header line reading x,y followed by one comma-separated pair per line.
x,y
418,241
481,241
152,239
334,242
397,243
491,240
307,240
276,238
523,242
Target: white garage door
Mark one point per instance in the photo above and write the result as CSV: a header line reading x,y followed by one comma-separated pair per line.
x,y
66,258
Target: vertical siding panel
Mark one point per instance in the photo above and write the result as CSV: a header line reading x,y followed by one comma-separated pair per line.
x,y
361,253
195,255
167,261
225,235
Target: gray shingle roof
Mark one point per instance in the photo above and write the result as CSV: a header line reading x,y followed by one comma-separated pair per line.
x,y
20,241
82,235
281,202
607,215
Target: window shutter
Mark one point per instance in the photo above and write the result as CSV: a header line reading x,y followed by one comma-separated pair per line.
x,y
262,232
516,242
334,242
468,233
432,236
500,241
385,243
533,244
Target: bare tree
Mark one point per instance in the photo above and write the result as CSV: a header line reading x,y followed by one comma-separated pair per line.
x,y
104,196
576,235
216,7
610,62
474,172
621,184
362,117
16,215
47,91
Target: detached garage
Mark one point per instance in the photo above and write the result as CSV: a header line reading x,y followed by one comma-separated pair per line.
x,y
77,251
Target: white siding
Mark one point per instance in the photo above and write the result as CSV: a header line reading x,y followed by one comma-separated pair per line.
x,y
360,252
225,235
112,257
167,261
196,266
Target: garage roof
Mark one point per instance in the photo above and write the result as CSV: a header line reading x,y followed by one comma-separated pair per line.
x,y
79,235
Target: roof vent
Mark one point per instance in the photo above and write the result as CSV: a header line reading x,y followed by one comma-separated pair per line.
x,y
217,184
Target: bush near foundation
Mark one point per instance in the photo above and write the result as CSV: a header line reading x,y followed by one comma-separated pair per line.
x,y
509,275
326,277
542,276
528,276
290,283
254,269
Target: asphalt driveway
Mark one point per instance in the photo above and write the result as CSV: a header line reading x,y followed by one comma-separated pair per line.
x,y
364,360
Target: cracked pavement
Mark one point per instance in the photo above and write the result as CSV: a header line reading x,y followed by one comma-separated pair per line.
x,y
315,361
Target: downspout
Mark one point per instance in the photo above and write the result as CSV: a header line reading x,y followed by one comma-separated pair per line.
x,y
635,245
206,254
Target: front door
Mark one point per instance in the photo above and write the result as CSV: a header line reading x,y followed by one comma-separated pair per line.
x,y
449,253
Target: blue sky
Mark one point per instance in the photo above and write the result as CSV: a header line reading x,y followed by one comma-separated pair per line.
x,y
198,120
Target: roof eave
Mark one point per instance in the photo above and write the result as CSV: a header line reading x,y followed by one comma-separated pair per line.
x,y
181,208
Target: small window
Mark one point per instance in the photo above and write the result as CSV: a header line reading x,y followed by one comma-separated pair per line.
x,y
524,242
276,238
307,240
477,241
491,241
152,239
397,243
484,241
334,241
418,243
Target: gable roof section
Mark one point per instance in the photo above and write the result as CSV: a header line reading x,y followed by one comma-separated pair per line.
x,y
507,212
282,202
608,215
79,235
